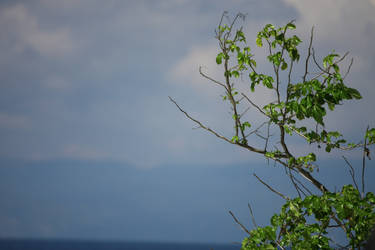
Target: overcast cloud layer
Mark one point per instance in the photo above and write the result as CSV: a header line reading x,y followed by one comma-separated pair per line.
x,y
89,80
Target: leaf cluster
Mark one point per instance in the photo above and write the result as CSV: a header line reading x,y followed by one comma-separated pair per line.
x,y
292,226
297,103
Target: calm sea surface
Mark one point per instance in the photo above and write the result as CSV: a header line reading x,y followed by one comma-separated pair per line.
x,y
102,245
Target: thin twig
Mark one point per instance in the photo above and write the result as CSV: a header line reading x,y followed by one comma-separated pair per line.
x,y
254,105
256,130
270,188
364,163
211,79
289,82
317,64
298,189
248,147
341,58
308,54
252,216
351,172
268,135
302,185
243,113
221,21
199,123
350,66
239,223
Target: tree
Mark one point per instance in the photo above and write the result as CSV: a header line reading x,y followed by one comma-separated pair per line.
x,y
304,222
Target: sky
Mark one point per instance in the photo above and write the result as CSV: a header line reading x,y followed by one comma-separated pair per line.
x,y
91,147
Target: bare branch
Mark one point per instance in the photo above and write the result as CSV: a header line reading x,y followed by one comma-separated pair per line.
x,y
316,63
351,172
301,184
199,123
218,32
270,188
268,135
341,58
257,129
248,147
318,75
211,79
243,113
282,140
365,149
289,78
252,215
289,173
239,15
314,181
350,66
308,55
254,105
239,223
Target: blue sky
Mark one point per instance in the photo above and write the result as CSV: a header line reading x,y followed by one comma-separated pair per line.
x,y
90,145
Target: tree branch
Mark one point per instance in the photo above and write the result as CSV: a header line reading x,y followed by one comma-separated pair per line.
x,y
365,149
351,172
239,223
270,188
252,215
253,149
211,79
308,54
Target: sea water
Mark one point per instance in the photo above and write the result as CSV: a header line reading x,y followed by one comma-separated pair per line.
x,y
110,245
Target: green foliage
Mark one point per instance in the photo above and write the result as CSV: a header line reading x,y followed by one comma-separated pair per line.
x,y
301,223
295,231
370,135
308,99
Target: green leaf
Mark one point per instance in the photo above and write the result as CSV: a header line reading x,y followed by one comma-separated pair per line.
x,y
259,42
252,86
328,60
268,83
284,66
291,26
246,124
336,68
331,106
293,53
219,58
253,62
354,93
235,139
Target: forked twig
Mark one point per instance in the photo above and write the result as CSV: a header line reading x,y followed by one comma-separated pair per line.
x,y
308,55
248,147
351,172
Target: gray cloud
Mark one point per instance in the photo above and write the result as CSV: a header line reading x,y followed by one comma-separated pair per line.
x,y
95,79
85,84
